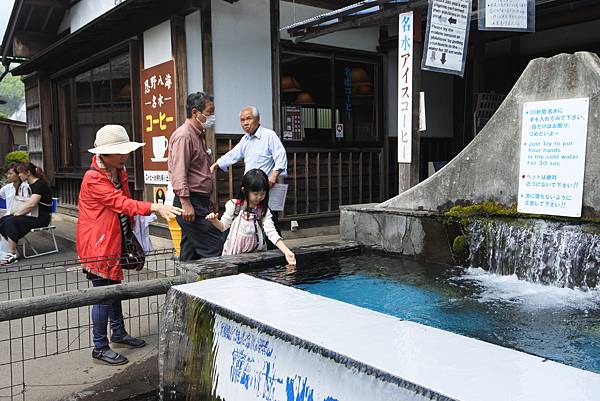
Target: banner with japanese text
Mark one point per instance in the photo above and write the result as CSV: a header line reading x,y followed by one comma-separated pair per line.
x,y
552,165
405,86
158,119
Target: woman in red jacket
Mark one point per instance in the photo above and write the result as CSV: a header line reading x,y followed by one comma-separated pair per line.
x,y
105,211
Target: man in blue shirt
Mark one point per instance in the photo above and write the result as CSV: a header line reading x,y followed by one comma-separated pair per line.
x,y
260,148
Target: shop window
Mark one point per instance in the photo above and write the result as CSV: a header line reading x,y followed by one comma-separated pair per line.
x,y
86,102
328,100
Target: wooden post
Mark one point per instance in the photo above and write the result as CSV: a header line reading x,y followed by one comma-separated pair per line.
x,y
135,66
208,76
45,88
275,66
179,51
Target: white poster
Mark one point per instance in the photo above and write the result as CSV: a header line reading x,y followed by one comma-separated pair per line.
x,y
506,14
553,143
405,87
277,195
448,25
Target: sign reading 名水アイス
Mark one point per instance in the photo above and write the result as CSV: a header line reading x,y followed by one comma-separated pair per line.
x,y
553,143
158,119
405,86
446,39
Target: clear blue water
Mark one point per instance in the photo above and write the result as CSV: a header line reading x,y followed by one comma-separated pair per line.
x,y
556,323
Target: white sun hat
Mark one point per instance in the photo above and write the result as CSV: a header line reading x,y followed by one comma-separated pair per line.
x,y
113,139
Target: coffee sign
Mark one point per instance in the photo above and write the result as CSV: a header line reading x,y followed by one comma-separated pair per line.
x,y
158,119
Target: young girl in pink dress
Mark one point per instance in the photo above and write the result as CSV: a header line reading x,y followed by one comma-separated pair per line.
x,y
249,219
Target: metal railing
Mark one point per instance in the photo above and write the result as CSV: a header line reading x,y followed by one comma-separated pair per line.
x,y
46,313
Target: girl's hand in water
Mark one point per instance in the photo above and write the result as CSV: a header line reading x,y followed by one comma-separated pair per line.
x,y
290,257
212,216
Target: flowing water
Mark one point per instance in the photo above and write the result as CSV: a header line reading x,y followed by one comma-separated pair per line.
x,y
537,251
558,323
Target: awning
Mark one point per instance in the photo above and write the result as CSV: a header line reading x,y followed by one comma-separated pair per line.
x,y
377,12
123,21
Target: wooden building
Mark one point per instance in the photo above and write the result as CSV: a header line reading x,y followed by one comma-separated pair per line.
x,y
84,61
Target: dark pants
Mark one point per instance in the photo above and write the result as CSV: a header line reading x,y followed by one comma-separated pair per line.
x,y
102,313
199,239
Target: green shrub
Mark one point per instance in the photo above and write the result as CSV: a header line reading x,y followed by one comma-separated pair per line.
x,y
18,156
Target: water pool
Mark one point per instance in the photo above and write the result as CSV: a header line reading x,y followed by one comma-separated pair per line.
x,y
559,324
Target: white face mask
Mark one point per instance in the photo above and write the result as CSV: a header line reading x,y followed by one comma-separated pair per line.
x,y
210,121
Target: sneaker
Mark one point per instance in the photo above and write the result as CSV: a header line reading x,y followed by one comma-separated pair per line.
x,y
128,341
109,356
9,259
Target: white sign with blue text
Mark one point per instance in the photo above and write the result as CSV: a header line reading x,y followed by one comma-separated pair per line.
x,y
405,86
252,365
553,143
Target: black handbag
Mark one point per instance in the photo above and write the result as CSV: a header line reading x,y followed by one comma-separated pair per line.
x,y
133,256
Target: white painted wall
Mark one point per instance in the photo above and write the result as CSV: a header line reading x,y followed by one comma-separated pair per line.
x,y
87,10
193,41
241,62
157,44
358,39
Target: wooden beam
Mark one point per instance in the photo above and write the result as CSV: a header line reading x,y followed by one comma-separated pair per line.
x,y
10,31
26,46
60,4
208,76
40,305
179,50
275,65
47,19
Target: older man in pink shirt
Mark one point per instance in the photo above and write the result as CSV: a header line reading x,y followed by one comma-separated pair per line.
x,y
189,171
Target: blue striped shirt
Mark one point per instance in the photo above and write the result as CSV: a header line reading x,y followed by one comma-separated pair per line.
x,y
262,150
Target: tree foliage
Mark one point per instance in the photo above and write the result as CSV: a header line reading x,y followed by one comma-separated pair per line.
x,y
17,157
12,90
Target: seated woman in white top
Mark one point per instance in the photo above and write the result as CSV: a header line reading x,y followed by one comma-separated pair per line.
x,y
15,187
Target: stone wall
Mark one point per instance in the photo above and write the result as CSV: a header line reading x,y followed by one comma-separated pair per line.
x,y
488,168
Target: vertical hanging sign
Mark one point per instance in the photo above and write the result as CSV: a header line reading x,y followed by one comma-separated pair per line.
x,y
158,119
448,23
405,86
506,15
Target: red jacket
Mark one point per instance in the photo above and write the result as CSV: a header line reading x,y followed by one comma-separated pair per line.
x,y
98,229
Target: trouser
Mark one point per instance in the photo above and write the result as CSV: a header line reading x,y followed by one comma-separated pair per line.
x,y
199,239
102,313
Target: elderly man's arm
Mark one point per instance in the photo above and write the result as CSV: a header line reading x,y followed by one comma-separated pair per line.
x,y
280,159
233,156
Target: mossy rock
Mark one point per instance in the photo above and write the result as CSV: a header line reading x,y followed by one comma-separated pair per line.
x,y
460,244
